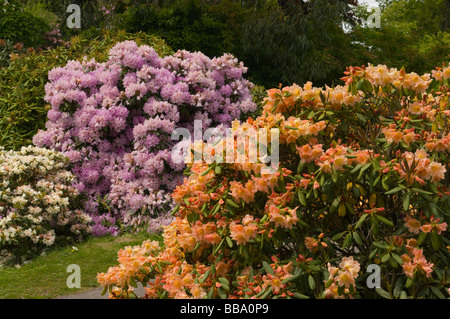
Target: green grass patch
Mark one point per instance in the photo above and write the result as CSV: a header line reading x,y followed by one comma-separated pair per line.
x,y
46,276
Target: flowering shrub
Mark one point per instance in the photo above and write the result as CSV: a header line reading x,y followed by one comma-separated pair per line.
x,y
114,121
39,207
362,180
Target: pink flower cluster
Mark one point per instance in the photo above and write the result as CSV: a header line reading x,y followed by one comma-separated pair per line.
x,y
114,121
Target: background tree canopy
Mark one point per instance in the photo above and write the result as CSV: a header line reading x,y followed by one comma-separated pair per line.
x,y
287,41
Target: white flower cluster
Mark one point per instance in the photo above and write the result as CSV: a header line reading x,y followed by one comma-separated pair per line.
x,y
38,203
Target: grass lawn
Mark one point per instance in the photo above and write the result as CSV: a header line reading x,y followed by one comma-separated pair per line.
x,y
46,276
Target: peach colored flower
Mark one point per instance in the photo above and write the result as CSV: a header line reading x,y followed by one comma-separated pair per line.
x,y
345,278
437,171
412,224
427,228
311,244
350,265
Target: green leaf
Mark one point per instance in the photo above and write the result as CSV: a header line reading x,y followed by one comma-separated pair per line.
x,y
421,191
357,238
302,198
361,220
229,242
409,282
397,258
105,289
421,239
406,201
289,279
399,284
222,293
394,190
133,282
232,203
311,282
437,292
337,236
206,172
267,267
384,220
204,276
300,296
383,293
348,240
435,242
385,258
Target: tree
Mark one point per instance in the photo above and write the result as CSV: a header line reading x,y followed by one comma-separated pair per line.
x,y
414,34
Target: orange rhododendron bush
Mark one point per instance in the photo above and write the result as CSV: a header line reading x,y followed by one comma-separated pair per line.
x,y
358,205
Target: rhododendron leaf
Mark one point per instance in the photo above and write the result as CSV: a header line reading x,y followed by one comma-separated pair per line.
x,y
289,279
311,282
206,171
105,289
210,293
334,175
421,238
300,296
398,287
373,253
394,190
421,191
314,268
311,115
301,198
300,167
267,268
437,292
384,220
232,203
204,276
363,169
335,205
383,293
361,220
217,248
357,238
229,242
357,167
347,240
406,201
133,282
342,210
384,182
409,282
339,235
435,240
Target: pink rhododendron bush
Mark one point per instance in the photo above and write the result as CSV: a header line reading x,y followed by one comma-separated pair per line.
x,y
114,121
39,207
358,205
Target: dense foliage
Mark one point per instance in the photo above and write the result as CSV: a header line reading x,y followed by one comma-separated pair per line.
x,y
20,26
362,179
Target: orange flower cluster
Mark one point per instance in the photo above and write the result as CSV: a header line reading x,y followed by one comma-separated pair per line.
x,y
342,277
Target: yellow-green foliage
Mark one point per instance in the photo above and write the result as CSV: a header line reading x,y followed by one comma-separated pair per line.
x,y
22,107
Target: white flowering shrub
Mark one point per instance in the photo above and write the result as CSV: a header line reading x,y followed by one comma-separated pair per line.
x,y
39,205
